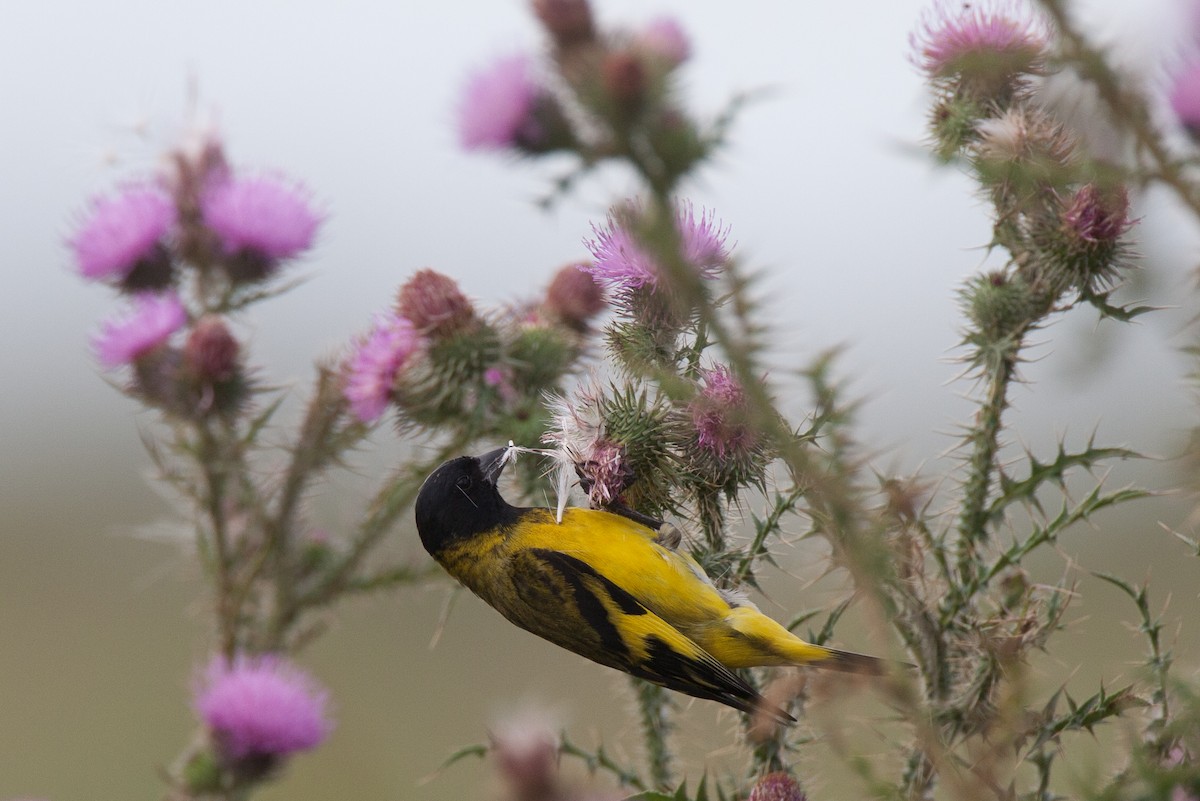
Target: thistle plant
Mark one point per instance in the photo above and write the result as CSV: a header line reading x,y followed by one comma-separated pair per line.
x,y
643,372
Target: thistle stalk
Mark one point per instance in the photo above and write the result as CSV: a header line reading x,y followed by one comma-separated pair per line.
x,y
655,706
999,368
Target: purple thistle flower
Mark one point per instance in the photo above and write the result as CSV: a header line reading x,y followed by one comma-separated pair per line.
x,y
265,216
151,322
1185,96
123,230
622,264
1098,216
990,33
261,706
719,414
664,39
372,369
497,106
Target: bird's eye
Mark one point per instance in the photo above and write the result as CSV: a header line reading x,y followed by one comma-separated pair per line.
x,y
463,483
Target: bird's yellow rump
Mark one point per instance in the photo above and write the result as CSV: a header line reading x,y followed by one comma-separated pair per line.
x,y
601,585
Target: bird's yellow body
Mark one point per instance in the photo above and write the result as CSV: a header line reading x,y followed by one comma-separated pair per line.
x,y
603,586
684,608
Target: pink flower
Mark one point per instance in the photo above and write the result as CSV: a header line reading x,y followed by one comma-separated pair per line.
x,y
982,35
621,263
1098,216
122,231
1185,96
719,414
372,369
664,39
265,216
496,110
151,322
261,706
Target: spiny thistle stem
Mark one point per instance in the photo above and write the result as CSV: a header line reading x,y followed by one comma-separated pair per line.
x,y
311,452
999,369
213,464
393,499
655,705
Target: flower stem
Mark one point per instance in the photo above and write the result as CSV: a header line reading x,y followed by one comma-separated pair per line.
x,y
655,705
999,369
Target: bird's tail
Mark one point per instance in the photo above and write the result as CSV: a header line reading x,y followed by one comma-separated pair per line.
x,y
849,662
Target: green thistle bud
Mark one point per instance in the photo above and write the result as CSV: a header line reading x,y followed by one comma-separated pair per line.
x,y
1000,306
1078,244
444,386
953,125
203,775
539,356
640,348
644,428
676,141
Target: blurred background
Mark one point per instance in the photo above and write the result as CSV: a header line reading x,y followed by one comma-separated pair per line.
x,y
861,240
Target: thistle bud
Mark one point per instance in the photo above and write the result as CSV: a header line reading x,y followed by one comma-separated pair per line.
x,y
1080,242
624,79
211,351
664,41
1000,305
435,305
569,22
777,786
953,124
574,297
1097,217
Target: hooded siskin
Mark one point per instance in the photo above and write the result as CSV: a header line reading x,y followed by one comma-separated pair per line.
x,y
599,584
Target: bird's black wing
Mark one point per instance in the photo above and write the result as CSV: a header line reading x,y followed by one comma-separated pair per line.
x,y
568,602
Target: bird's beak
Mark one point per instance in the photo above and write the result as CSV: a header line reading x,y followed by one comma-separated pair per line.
x,y
491,464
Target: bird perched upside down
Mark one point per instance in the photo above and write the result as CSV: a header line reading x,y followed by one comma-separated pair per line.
x,y
603,586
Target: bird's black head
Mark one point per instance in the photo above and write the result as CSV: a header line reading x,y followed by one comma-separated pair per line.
x,y
459,500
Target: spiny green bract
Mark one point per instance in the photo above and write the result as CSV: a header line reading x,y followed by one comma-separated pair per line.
x,y
646,429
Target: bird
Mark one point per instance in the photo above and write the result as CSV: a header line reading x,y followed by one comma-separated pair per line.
x,y
604,586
